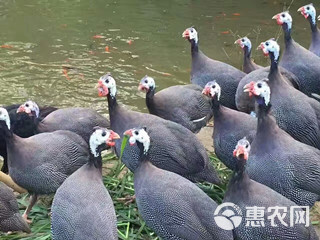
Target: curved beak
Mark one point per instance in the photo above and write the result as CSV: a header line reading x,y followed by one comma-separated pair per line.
x,y
21,109
102,89
186,34
206,91
128,133
300,9
249,88
319,18
113,136
237,41
275,16
240,151
141,87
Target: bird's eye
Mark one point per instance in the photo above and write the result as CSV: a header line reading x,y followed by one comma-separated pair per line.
x,y
136,132
107,80
191,30
308,8
242,40
213,86
259,85
146,81
247,145
267,43
27,104
283,15
103,134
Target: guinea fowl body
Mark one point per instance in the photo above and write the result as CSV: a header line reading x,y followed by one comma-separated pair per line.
x,y
42,162
183,104
10,218
245,193
283,163
298,60
229,127
174,207
78,120
205,69
23,126
82,208
171,150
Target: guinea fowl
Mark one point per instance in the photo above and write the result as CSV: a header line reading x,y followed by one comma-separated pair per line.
x,y
10,218
204,69
229,126
183,104
248,64
173,206
42,162
22,125
277,160
243,101
82,207
246,193
295,112
298,60
172,149
309,12
78,120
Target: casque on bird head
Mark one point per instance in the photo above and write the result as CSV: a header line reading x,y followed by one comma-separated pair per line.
x,y
190,34
102,137
212,89
4,116
139,135
242,149
270,46
146,84
244,42
260,89
29,107
308,10
107,85
283,17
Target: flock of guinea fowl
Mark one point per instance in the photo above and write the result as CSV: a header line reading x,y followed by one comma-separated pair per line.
x,y
266,129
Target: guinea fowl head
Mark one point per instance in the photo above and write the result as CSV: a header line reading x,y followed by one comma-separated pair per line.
x,y
147,84
242,149
244,43
260,90
107,86
272,48
4,117
284,18
212,89
140,137
101,139
30,108
308,11
190,34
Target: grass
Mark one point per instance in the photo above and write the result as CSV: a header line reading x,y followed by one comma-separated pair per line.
x,y
119,183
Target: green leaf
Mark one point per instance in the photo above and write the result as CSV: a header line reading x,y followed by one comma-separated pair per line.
x,y
123,145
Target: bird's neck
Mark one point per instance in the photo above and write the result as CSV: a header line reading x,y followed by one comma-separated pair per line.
x,y
112,105
287,33
266,122
215,107
6,132
313,25
149,99
96,160
274,70
240,172
194,47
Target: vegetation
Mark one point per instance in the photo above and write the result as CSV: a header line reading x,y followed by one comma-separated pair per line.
x,y
119,183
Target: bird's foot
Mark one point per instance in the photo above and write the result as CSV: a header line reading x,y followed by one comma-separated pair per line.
x,y
127,199
25,217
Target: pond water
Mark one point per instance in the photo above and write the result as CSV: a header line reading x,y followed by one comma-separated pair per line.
x,y
49,53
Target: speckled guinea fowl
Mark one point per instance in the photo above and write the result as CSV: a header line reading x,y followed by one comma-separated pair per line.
x,y
248,65
229,126
172,149
298,60
245,192
243,101
277,160
10,218
204,69
22,125
42,162
82,207
309,12
78,120
295,112
183,104
171,205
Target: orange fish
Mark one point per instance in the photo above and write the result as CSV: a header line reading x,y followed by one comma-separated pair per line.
x,y
129,42
225,32
65,73
236,14
107,49
6,46
98,36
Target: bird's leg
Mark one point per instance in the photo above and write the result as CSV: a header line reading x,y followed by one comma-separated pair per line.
x,y
33,200
127,200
